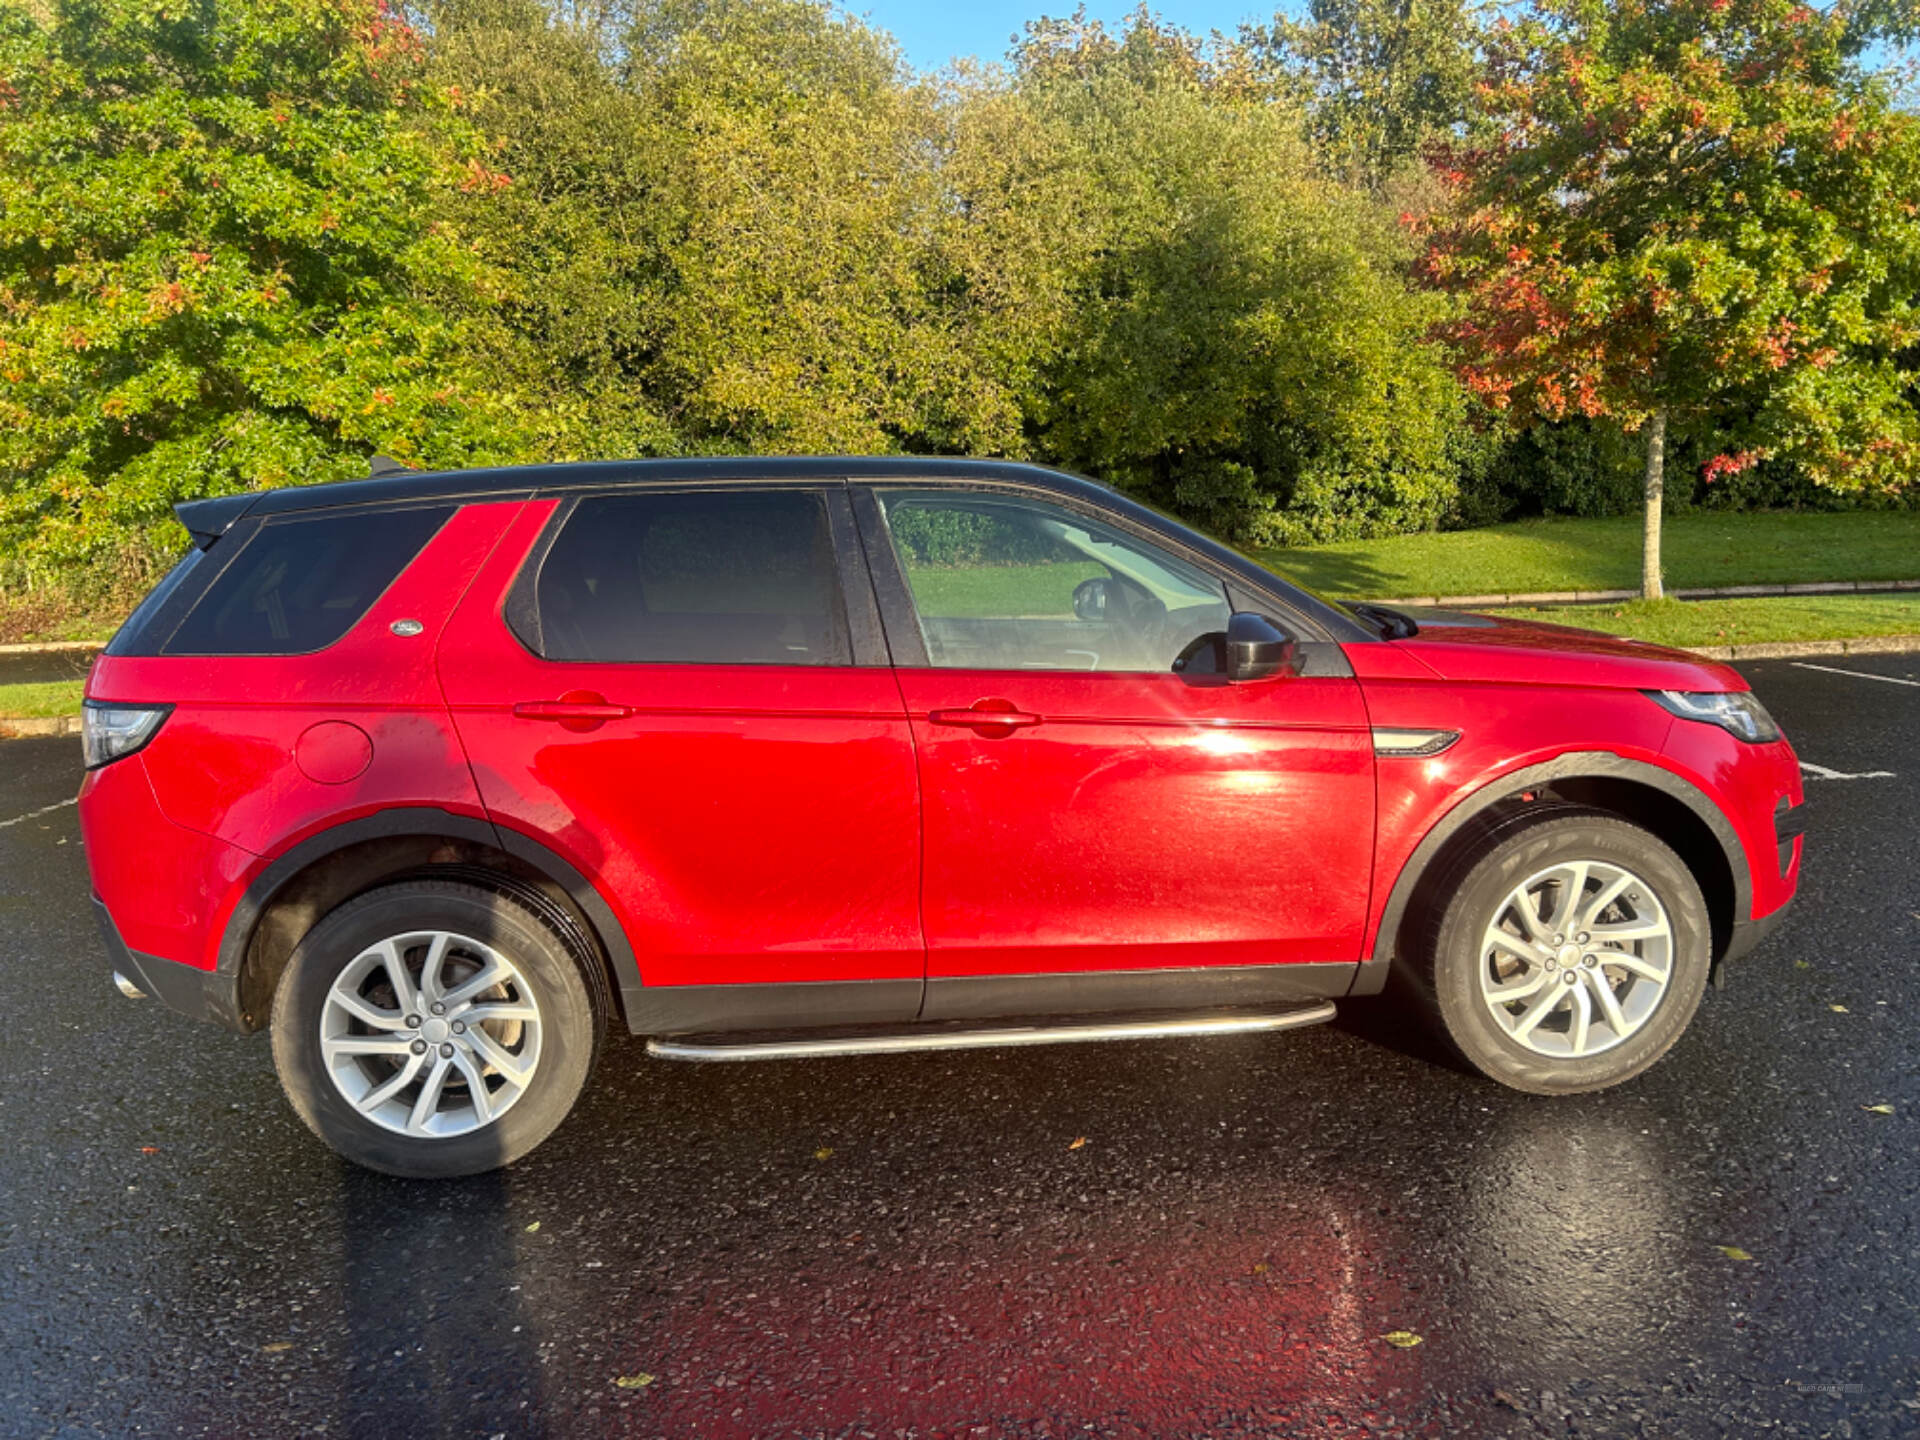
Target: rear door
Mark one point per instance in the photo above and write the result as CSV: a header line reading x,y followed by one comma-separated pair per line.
x,y
1087,806
686,694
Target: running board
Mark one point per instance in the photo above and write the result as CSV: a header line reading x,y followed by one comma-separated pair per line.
x,y
898,1042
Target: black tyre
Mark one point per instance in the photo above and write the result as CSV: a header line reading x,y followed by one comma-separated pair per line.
x,y
433,1028
1570,956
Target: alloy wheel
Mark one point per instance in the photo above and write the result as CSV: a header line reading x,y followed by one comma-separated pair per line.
x,y
1576,959
431,1034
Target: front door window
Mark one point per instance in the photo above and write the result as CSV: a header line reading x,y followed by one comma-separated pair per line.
x,y
1010,584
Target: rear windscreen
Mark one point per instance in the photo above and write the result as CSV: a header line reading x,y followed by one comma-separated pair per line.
x,y
302,582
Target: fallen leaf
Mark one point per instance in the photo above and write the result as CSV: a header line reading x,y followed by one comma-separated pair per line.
x,y
1506,1399
1802,965
1838,1009
825,1152
149,1149
1878,1109
277,1346
531,1229
1402,1339
633,1382
1733,1252
1260,1267
1078,1143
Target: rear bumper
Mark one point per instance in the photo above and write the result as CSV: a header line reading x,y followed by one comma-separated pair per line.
x,y
203,994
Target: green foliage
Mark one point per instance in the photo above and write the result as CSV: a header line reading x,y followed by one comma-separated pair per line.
x,y
1381,79
1701,206
220,262
249,242
1245,351
949,537
757,233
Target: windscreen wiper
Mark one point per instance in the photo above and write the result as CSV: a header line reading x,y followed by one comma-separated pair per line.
x,y
1394,624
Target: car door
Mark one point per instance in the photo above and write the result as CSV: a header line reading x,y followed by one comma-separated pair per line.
x,y
679,691
1087,807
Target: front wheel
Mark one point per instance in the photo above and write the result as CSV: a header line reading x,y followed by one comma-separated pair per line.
x,y
433,1028
1571,957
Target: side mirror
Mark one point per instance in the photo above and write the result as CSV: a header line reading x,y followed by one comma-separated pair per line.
x,y
1257,649
1093,599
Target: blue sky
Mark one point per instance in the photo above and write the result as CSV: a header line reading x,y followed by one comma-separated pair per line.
x,y
933,34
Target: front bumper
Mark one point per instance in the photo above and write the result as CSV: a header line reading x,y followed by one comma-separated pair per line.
x,y
1747,935
203,994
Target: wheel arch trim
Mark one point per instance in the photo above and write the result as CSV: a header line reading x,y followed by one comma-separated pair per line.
x,y
1574,765
426,820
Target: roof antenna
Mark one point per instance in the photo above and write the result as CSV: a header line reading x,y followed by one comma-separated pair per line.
x,y
384,465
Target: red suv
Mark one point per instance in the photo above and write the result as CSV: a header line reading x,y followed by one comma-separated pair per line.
x,y
433,774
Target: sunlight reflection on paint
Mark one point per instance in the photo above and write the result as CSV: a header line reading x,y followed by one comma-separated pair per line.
x,y
1221,742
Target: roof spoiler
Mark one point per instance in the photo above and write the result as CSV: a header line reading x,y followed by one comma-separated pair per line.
x,y
208,520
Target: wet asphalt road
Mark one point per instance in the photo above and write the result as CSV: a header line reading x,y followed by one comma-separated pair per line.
x,y
912,1246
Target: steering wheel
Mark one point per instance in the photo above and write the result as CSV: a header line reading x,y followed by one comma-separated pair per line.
x,y
1134,612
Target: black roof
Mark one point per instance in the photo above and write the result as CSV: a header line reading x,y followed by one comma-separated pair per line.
x,y
208,520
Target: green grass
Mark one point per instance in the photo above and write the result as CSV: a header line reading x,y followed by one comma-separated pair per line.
x,y
999,589
55,697
1550,555
1758,621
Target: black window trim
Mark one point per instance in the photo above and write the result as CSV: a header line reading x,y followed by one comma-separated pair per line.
x,y
235,543
866,636
148,635
1320,652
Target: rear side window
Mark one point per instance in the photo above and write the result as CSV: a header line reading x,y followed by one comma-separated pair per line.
x,y
710,578
301,583
132,634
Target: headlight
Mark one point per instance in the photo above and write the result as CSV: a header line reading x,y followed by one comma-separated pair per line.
x,y
109,731
1737,712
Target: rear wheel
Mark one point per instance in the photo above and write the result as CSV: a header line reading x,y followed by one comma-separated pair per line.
x,y
434,1029
1571,956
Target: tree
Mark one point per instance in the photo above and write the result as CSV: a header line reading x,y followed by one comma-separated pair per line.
x,y
221,264
1245,349
1699,213
1381,79
742,225
823,290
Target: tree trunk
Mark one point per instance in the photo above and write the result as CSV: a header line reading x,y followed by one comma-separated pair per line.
x,y
1650,587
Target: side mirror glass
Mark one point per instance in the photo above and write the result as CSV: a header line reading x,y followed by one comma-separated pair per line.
x,y
1093,599
1257,649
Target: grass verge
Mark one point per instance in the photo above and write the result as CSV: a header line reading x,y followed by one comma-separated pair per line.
x,y
1702,549
33,701
1762,620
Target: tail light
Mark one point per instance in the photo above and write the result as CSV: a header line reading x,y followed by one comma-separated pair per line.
x,y
109,731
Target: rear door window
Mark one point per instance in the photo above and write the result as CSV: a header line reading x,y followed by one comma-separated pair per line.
x,y
302,582
696,577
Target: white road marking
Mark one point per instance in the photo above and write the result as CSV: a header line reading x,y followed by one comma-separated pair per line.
x,y
43,810
1821,772
1857,674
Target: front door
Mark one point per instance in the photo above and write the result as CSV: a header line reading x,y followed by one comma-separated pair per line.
x,y
1086,807
675,695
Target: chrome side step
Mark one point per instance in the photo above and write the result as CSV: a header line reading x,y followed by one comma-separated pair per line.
x,y
897,1042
